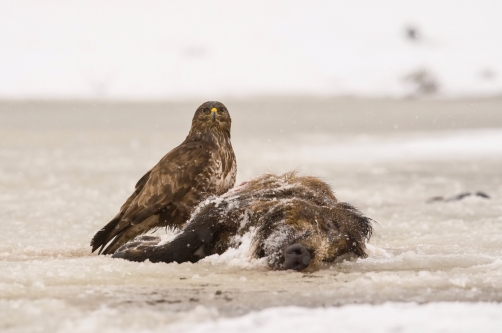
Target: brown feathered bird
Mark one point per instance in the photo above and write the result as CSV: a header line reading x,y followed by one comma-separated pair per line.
x,y
296,222
202,166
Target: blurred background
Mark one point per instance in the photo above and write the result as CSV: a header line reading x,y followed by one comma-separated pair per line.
x,y
214,49
292,74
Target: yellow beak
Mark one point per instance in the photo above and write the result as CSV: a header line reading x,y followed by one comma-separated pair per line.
x,y
214,112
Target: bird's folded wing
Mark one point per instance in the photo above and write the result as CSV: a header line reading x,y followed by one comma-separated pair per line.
x,y
175,174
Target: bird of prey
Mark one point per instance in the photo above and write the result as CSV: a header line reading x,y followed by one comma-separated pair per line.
x,y
294,222
202,166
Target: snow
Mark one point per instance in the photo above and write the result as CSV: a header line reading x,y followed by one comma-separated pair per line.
x,y
457,145
126,49
64,174
391,317
240,256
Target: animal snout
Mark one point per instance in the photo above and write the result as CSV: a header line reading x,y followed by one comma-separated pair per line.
x,y
296,257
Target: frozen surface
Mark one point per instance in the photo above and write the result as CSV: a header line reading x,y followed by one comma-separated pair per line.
x,y
391,317
67,167
388,317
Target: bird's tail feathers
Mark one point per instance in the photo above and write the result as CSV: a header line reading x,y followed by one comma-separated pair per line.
x,y
104,235
118,237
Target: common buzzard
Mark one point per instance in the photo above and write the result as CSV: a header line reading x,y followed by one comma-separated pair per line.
x,y
202,166
295,222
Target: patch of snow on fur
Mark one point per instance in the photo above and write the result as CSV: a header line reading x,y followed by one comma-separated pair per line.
x,y
242,256
168,237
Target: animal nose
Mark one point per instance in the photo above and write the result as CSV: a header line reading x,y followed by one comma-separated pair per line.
x,y
296,257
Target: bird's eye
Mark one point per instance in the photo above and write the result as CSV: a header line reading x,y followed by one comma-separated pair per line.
x,y
206,111
222,110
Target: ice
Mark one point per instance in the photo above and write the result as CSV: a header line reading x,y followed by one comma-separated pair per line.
x,y
458,145
64,175
376,252
391,317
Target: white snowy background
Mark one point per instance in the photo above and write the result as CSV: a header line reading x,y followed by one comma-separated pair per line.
x,y
175,49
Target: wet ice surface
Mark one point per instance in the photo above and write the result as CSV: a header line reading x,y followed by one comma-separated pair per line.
x,y
63,176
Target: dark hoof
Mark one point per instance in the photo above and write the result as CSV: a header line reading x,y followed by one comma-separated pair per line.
x,y
119,255
296,257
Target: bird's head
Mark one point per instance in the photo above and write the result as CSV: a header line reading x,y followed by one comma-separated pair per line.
x,y
212,116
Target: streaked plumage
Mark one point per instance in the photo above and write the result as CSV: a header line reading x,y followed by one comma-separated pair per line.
x,y
296,221
202,166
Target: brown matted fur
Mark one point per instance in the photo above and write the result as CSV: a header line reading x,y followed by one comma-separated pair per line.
x,y
279,210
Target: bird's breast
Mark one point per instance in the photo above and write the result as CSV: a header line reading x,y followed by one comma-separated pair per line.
x,y
222,173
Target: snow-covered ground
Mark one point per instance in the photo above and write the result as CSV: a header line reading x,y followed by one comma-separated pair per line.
x,y
66,167
219,48
56,316
442,317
